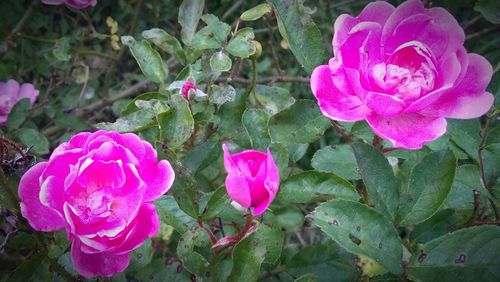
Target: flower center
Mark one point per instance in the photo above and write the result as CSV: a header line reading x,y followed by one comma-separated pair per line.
x,y
409,73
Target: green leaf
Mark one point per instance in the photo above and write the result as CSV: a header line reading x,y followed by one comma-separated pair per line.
x,y
193,261
469,254
189,15
428,186
297,27
361,230
218,28
466,135
279,152
202,155
133,122
220,62
324,260
230,114
272,238
338,159
33,139
222,94
289,218
185,194
467,179
18,113
160,270
241,44
248,256
178,124
381,184
441,223
153,97
255,122
297,151
166,42
204,39
141,256
489,9
35,268
149,59
58,245
312,186
170,213
273,99
216,204
256,12
301,123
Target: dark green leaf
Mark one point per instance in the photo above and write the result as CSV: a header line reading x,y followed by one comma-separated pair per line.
x,y
185,195
289,218
429,184
248,256
202,155
280,157
297,151
220,62
217,202
441,223
159,271
303,36
35,268
33,139
218,28
301,123
312,186
189,15
272,238
361,230
193,261
222,94
338,159
133,122
241,44
141,256
255,122
380,182
256,12
18,113
489,9
170,213
274,99
149,59
178,124
469,254
166,42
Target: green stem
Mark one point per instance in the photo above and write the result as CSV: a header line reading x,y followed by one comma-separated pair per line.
x,y
35,39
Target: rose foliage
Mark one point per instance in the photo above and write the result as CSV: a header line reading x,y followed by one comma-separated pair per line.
x,y
278,140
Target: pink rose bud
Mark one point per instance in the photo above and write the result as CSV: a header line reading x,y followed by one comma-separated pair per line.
x,y
188,86
99,187
77,4
252,179
404,70
10,93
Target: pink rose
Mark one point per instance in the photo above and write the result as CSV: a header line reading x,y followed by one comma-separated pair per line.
x,y
77,4
10,93
403,70
252,179
99,186
186,88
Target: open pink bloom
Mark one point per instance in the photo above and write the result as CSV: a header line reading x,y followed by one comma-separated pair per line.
x,y
77,4
252,179
99,187
403,70
10,93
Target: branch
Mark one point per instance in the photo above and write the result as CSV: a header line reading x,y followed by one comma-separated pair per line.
x,y
268,80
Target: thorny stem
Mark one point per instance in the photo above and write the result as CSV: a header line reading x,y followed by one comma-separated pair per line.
x,y
209,232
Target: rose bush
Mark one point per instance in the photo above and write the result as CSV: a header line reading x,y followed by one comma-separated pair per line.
x,y
252,179
10,93
77,4
98,186
404,70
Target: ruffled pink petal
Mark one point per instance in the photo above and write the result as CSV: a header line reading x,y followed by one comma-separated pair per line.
x,y
384,104
101,264
409,131
402,12
343,24
362,48
39,216
378,11
237,186
146,225
159,179
335,103
468,99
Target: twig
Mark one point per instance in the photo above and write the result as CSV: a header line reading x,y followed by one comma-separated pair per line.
x,y
231,9
267,80
481,32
